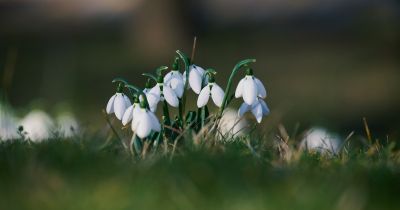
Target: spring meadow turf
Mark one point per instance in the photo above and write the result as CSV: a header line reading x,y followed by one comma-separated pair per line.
x,y
86,173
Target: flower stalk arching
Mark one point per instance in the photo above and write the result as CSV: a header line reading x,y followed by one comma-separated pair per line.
x,y
237,67
161,69
141,93
150,76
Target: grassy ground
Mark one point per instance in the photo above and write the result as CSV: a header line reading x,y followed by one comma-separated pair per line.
x,y
80,174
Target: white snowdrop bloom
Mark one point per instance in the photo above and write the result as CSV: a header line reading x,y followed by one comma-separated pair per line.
x,y
213,90
130,113
231,125
118,104
144,122
8,123
38,126
250,88
67,125
196,74
146,90
174,80
320,140
159,93
259,109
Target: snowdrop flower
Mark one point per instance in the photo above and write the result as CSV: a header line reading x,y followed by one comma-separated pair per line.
x,y
213,90
118,103
38,126
231,125
131,112
67,125
196,74
174,80
320,140
8,123
159,93
250,88
144,122
259,109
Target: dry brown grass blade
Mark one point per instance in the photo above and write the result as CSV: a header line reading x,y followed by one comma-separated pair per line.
x,y
283,133
367,131
193,49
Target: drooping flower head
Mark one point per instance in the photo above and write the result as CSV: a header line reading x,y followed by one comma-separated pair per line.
x,y
132,111
38,126
211,89
118,103
322,141
196,78
67,125
144,122
231,125
250,88
160,92
174,79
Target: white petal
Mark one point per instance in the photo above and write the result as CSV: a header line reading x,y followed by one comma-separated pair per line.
x,y
127,101
155,90
260,88
168,77
146,90
195,79
178,75
257,112
217,95
239,89
143,129
127,115
204,96
250,91
170,96
110,105
152,99
265,108
184,79
136,110
199,69
119,105
153,108
243,109
136,118
176,84
154,122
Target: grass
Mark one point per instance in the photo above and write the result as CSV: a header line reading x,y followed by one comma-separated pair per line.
x,y
83,174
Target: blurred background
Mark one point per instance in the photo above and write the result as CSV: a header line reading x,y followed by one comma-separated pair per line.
x,y
324,62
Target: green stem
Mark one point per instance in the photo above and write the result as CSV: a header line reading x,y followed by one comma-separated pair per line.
x,y
180,111
186,63
120,80
166,120
229,85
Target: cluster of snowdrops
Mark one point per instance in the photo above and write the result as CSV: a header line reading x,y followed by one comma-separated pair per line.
x,y
168,88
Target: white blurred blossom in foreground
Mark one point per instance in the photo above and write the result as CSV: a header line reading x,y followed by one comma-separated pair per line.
x,y
320,140
37,126
8,123
67,125
231,125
